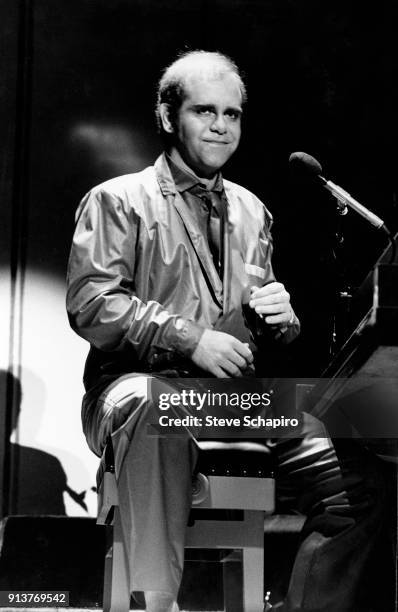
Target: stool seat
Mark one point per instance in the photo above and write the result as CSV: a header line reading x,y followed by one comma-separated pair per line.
x,y
218,458
235,458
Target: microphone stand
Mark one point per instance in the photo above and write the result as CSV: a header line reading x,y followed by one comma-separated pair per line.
x,y
343,290
340,320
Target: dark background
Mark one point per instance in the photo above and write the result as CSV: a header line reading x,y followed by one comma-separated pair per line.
x,y
79,91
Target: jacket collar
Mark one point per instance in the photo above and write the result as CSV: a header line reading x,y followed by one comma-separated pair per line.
x,y
177,179
164,177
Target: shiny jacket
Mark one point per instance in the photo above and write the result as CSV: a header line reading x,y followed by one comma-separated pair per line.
x,y
142,285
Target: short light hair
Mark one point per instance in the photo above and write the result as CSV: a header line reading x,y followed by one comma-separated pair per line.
x,y
171,88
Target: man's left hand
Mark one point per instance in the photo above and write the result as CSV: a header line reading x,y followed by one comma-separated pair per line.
x,y
272,302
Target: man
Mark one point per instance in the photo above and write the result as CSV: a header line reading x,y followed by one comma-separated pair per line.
x,y
161,264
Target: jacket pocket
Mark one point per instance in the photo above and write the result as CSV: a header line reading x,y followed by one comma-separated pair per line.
x,y
252,270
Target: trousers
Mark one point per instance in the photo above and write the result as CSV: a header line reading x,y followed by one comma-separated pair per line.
x,y
336,484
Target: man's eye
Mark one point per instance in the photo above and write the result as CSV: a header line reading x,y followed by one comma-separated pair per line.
x,y
204,111
234,115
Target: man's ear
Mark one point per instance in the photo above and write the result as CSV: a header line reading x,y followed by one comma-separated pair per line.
x,y
164,112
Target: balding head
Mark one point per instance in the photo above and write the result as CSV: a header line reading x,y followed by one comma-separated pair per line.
x,y
173,83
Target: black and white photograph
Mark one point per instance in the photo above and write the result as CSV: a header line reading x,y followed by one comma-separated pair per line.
x,y
199,305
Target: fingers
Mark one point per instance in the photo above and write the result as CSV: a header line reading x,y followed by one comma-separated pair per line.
x,y
231,368
237,360
278,319
273,298
244,352
273,301
274,314
270,309
270,294
219,373
268,289
222,354
234,362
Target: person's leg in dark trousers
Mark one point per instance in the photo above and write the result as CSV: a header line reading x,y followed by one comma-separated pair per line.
x,y
337,485
154,475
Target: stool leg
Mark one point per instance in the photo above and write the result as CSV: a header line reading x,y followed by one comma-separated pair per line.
x,y
116,578
233,582
253,565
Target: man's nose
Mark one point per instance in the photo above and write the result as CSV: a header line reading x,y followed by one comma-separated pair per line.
x,y
219,124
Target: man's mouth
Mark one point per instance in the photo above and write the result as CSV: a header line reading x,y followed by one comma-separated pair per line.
x,y
216,142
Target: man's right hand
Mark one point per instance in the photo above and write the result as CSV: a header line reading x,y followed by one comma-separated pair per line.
x,y
221,354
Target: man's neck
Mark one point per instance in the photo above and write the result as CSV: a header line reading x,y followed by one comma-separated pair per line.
x,y
177,159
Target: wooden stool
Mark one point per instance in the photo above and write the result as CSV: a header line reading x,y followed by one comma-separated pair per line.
x,y
231,476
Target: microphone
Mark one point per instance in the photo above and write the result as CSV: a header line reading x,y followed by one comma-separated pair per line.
x,y
308,164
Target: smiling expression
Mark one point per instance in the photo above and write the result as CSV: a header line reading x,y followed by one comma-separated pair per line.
x,y
208,123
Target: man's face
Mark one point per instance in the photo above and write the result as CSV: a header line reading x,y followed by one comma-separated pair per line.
x,y
208,124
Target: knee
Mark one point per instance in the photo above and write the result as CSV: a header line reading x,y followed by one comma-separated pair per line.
x,y
115,407
126,397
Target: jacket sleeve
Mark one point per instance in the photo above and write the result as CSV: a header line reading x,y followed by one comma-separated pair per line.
x,y
282,333
102,304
